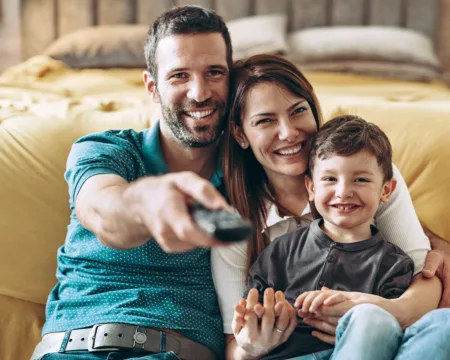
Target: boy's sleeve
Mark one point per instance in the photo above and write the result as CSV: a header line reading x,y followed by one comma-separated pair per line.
x,y
395,274
103,153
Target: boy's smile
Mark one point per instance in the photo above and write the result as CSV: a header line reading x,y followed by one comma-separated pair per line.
x,y
347,191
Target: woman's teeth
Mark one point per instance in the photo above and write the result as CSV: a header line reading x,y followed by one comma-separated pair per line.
x,y
199,114
291,151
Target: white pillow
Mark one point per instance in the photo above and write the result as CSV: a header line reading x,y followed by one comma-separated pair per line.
x,y
365,43
258,34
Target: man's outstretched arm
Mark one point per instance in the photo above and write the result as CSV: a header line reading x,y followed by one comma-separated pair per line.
x,y
126,215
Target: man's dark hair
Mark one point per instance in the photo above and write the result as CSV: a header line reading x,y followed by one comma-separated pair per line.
x,y
347,135
189,19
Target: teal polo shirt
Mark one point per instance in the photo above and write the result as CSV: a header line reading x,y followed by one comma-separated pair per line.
x,y
143,286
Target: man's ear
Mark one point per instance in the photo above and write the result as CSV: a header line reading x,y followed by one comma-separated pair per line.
x,y
150,85
238,134
388,188
310,187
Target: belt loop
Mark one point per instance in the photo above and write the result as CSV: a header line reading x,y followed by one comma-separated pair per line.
x,y
162,341
65,341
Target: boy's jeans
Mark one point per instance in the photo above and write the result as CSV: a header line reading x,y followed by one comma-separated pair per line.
x,y
369,332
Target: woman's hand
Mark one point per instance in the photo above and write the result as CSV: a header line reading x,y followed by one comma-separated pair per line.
x,y
257,328
438,263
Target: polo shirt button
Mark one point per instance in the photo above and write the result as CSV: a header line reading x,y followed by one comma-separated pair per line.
x,y
322,283
330,259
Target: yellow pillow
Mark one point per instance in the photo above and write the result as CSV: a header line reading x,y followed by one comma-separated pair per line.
x,y
34,211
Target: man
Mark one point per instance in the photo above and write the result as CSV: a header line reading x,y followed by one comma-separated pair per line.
x,y
128,187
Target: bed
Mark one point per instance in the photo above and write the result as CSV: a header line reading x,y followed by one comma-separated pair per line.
x,y
68,86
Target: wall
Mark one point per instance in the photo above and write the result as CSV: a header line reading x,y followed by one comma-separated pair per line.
x,y
10,42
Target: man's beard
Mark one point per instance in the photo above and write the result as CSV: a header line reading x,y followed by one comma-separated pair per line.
x,y
200,136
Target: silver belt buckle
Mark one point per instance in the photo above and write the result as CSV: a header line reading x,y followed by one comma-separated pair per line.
x,y
91,342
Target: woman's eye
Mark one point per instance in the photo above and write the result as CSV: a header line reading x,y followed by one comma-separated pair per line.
x,y
300,110
263,121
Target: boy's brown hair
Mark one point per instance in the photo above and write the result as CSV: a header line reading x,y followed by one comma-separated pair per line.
x,y
347,135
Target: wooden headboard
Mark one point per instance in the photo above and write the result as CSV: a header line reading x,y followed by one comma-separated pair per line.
x,y
45,20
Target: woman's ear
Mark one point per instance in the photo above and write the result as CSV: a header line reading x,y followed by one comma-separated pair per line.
x,y
388,188
310,187
238,134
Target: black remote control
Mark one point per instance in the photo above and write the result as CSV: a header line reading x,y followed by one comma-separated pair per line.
x,y
223,225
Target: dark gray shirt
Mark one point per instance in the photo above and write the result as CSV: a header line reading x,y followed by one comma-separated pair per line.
x,y
308,259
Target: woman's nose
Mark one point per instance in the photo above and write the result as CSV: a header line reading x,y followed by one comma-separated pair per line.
x,y
288,131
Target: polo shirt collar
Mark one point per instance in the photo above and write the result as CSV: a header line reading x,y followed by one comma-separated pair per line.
x,y
155,163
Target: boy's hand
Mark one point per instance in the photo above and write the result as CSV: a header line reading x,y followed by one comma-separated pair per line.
x,y
309,302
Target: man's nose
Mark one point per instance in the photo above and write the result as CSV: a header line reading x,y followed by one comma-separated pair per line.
x,y
287,131
199,89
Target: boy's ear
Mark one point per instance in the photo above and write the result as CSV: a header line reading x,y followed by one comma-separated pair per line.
x,y
388,188
310,187
150,85
238,134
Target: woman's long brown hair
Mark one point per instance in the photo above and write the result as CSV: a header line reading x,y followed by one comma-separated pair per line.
x,y
246,182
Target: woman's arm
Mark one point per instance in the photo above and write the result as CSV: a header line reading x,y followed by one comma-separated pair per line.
x,y
229,272
399,225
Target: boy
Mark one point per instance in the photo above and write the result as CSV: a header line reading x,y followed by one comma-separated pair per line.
x,y
350,167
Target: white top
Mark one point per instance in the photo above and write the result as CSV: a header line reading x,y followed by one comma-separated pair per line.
x,y
396,220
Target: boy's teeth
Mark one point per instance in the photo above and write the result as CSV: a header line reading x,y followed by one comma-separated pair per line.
x,y
291,151
199,114
347,207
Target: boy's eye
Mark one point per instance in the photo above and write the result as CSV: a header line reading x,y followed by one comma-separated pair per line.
x,y
362,180
329,178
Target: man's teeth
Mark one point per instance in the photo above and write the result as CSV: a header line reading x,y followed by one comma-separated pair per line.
x,y
199,114
291,151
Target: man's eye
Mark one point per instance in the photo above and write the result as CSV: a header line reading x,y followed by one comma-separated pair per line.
x,y
179,75
215,73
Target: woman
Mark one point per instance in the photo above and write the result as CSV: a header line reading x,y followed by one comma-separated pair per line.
x,y
273,115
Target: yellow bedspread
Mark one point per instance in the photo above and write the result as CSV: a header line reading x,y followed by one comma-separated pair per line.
x,y
45,107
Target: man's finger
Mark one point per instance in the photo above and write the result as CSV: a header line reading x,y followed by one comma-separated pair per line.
x,y
200,190
433,261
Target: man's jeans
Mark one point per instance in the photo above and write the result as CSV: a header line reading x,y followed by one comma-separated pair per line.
x,y
369,332
122,355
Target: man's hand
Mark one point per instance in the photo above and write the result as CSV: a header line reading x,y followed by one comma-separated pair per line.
x,y
126,215
438,263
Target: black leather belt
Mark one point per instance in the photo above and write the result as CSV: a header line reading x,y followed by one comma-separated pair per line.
x,y
113,337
